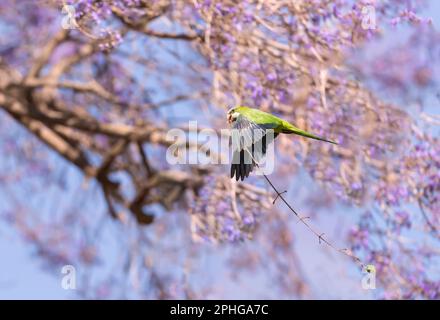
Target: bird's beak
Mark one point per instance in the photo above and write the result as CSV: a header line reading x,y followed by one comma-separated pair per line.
x,y
229,117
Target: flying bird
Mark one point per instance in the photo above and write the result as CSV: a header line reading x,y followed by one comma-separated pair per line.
x,y
250,137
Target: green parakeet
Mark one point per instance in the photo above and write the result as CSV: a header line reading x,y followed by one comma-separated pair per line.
x,y
251,125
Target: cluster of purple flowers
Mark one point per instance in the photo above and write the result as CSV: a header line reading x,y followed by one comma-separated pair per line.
x,y
223,212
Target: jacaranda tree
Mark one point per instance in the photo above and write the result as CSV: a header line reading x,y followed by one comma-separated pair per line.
x,y
89,90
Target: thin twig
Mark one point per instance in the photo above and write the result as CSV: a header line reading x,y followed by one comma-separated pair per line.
x,y
144,158
320,236
425,216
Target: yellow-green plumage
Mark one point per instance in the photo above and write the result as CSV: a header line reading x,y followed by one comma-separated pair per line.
x,y
269,121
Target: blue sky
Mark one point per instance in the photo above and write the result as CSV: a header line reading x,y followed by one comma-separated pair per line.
x,y
22,275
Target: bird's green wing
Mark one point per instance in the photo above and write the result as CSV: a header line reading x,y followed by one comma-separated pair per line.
x,y
249,142
261,118
267,120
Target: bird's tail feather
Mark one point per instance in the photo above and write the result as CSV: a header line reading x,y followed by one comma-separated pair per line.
x,y
303,133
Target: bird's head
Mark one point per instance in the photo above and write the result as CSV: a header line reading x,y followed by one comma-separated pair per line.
x,y
232,115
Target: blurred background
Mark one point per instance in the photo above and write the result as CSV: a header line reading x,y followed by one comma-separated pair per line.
x,y
90,89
